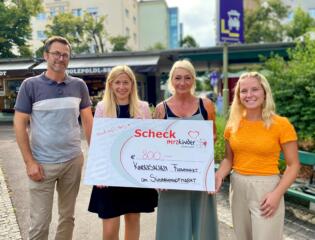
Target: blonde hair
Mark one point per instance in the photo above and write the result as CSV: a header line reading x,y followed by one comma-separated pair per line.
x,y
109,99
185,64
237,110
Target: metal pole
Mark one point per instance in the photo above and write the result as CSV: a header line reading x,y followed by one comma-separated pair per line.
x,y
225,81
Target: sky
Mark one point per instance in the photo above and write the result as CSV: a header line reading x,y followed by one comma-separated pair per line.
x,y
198,18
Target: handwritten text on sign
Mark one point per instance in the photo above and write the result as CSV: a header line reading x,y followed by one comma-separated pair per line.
x,y
166,154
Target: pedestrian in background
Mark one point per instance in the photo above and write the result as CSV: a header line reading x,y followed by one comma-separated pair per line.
x,y
121,101
51,147
254,136
186,215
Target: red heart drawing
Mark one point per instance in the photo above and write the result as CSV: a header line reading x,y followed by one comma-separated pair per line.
x,y
193,134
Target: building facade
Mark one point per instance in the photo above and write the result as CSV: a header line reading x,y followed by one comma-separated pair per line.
x,y
307,5
121,17
151,68
173,28
153,24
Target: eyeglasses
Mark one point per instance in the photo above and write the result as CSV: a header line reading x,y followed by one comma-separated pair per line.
x,y
58,55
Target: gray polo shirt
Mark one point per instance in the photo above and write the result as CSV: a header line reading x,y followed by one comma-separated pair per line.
x,y
54,110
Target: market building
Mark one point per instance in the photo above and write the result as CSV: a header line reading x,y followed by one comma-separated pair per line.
x,y
151,68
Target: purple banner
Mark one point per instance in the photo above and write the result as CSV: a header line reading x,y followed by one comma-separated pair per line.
x,y
231,21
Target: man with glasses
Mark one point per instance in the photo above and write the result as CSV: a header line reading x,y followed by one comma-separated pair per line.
x,y
52,102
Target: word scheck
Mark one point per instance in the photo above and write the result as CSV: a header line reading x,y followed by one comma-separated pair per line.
x,y
154,134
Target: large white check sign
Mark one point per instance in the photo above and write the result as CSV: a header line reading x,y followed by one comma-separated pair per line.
x,y
166,154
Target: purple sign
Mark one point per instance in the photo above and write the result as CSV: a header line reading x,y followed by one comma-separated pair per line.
x,y
231,21
214,77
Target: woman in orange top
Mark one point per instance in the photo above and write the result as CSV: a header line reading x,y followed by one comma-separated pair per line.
x,y
254,136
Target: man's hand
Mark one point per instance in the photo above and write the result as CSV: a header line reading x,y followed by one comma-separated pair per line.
x,y
35,171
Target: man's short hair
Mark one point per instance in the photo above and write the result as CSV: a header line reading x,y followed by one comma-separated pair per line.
x,y
53,39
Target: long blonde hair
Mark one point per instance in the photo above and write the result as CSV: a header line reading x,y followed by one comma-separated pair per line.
x,y
109,99
185,64
238,111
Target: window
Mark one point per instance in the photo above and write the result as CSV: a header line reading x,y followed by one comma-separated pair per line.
x,y
134,20
127,13
135,37
41,35
311,11
127,32
77,12
62,9
173,20
52,12
41,16
92,11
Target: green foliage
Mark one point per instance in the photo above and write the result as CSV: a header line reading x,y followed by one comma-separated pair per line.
x,y
219,147
293,84
206,85
80,31
302,22
282,166
119,43
188,42
15,28
199,85
94,28
264,23
70,27
157,46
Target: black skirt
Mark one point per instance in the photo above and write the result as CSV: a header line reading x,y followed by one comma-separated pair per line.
x,y
112,202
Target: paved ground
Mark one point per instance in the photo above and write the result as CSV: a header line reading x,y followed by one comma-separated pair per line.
x,y
299,223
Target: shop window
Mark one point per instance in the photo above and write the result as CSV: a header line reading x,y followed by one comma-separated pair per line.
x,y
1,87
13,87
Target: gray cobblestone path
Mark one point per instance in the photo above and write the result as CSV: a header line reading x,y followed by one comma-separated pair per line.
x,y
9,229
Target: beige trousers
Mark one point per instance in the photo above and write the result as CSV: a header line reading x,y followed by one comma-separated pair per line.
x,y
66,177
246,193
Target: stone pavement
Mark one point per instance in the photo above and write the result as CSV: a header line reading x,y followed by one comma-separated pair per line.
x,y
299,222
9,229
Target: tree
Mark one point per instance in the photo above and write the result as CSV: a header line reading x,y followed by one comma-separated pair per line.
x,y
119,43
302,22
15,28
264,23
80,31
188,42
293,84
70,27
157,46
95,29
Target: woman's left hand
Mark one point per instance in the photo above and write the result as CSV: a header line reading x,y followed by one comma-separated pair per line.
x,y
270,204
